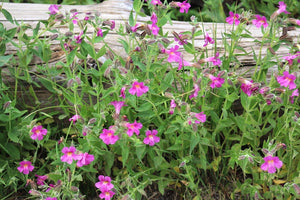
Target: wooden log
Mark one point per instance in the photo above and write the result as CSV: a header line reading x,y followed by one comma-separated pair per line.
x,y
119,10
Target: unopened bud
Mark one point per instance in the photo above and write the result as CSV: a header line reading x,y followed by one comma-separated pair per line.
x,y
229,81
74,189
250,159
169,95
69,34
264,90
221,73
270,96
6,105
92,121
78,80
265,151
242,157
297,114
165,40
70,83
297,188
34,192
151,41
281,90
53,37
73,10
278,99
59,16
107,72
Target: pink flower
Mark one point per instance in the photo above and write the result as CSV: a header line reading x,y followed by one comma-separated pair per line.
x,y
84,159
74,118
151,138
215,60
54,9
248,87
118,105
174,55
138,88
183,62
135,27
107,194
287,80
216,81
108,137
99,32
38,132
201,117
41,179
233,18
69,154
25,167
156,2
133,128
184,7
51,198
271,163
207,40
74,18
112,25
104,183
172,107
122,92
196,91
154,28
153,18
295,93
260,21
282,8
290,58
79,37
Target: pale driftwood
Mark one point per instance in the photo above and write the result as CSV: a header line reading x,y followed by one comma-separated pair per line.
x,y
118,10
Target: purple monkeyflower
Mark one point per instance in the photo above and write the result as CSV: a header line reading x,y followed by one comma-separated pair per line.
x,y
38,132
201,117
215,60
69,154
108,136
99,32
74,18
84,159
54,9
248,87
75,118
41,179
295,93
106,195
172,107
156,2
133,128
290,58
118,105
138,88
79,37
216,81
233,18
174,55
151,138
122,92
196,91
208,40
271,163
153,18
287,80
180,40
104,183
154,28
282,8
260,21
25,167
184,6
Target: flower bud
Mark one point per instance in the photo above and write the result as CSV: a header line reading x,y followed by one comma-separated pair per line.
x,y
265,151
53,37
297,114
78,80
6,105
73,10
59,16
278,99
70,83
34,192
68,34
297,188
92,121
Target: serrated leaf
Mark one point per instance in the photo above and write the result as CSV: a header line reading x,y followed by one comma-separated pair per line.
x,y
136,5
13,151
36,29
162,21
131,20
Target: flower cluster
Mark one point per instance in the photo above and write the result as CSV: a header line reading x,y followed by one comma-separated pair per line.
x,y
105,186
70,154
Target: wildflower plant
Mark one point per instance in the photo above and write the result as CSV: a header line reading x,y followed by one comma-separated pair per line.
x,y
152,118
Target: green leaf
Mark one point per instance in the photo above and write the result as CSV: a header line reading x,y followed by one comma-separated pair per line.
x,y
88,49
7,15
131,20
125,154
137,5
4,59
189,48
162,21
140,151
157,161
109,158
13,151
36,30
167,82
71,56
101,52
195,139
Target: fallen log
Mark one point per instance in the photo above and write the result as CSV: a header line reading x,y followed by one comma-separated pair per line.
x,y
119,10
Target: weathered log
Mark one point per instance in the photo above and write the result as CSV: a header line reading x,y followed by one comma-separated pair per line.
x,y
119,10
